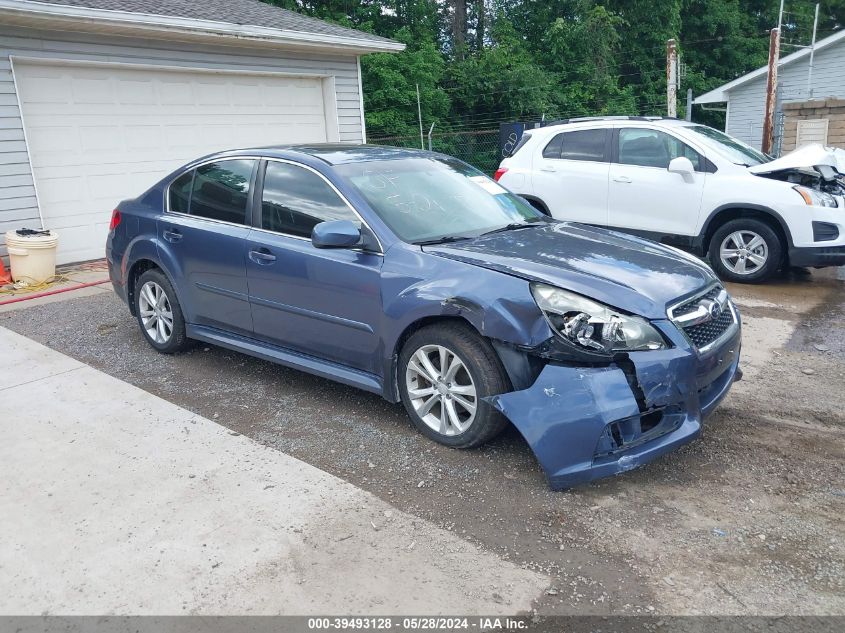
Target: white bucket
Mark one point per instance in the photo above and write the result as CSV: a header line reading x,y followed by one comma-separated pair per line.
x,y
32,257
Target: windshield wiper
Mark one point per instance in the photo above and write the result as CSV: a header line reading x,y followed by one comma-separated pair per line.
x,y
513,226
442,240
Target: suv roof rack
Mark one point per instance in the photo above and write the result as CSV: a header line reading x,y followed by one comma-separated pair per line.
x,y
622,117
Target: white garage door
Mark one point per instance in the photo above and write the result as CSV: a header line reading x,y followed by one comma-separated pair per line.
x,y
98,134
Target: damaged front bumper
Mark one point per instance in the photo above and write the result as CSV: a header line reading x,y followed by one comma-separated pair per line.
x,y
584,423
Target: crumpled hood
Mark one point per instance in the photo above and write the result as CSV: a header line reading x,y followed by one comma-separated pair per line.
x,y
804,157
626,272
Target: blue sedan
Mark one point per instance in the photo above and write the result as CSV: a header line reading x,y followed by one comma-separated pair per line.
x,y
414,276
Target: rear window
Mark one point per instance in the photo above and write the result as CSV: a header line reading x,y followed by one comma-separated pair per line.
x,y
180,192
588,145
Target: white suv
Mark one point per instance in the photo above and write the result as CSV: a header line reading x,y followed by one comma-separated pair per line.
x,y
690,186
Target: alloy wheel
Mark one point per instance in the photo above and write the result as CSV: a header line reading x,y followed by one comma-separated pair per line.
x,y
744,252
441,390
156,313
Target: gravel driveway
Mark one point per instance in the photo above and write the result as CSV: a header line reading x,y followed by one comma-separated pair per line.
x,y
746,520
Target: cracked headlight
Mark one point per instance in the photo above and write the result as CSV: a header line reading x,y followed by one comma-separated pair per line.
x,y
816,198
593,325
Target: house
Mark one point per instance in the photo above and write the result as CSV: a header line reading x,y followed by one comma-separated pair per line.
x,y
101,98
807,113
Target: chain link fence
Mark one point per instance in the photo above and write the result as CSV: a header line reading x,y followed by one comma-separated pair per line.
x,y
479,148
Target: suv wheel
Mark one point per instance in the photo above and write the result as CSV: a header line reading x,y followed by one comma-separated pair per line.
x,y
159,313
445,372
745,251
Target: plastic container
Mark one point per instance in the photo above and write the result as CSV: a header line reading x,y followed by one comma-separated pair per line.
x,y
33,257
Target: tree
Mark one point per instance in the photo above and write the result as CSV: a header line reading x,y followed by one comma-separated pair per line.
x,y
390,99
479,62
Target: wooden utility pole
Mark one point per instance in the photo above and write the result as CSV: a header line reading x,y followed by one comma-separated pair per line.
x,y
459,27
812,53
771,92
672,78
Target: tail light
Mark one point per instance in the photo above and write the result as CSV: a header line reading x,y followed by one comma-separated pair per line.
x,y
115,220
499,173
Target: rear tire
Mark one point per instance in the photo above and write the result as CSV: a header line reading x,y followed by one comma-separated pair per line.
x,y
159,313
746,251
446,403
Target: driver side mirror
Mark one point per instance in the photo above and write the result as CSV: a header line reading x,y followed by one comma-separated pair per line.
x,y
335,234
682,166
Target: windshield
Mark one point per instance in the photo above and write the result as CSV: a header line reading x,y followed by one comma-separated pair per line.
x,y
733,149
430,199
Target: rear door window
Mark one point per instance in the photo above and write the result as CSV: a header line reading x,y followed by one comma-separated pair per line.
x,y
552,150
221,190
588,145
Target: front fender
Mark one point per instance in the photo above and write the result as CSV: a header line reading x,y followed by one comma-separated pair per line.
x,y
498,306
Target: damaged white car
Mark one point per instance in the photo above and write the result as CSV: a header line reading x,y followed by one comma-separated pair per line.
x,y
690,186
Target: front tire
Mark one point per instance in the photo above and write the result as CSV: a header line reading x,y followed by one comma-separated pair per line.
x,y
745,250
445,372
159,313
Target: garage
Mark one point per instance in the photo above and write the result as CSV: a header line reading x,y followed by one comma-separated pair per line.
x,y
98,133
98,102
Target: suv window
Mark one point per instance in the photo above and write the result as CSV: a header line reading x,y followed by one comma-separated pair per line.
x,y
220,190
578,145
652,148
296,199
526,136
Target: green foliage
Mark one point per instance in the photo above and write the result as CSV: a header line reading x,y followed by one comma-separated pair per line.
x,y
502,81
479,62
390,96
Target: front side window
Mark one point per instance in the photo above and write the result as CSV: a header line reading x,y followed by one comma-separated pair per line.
x,y
424,199
652,148
296,199
220,190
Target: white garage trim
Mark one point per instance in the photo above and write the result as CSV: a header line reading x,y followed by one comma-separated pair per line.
x,y
66,61
361,101
25,140
330,110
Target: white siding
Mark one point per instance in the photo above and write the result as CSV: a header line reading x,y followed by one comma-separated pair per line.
x,y
18,205
747,102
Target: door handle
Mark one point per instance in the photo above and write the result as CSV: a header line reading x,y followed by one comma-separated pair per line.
x,y
262,257
548,168
622,179
172,235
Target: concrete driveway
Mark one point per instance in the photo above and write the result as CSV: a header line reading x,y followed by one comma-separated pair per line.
x,y
115,501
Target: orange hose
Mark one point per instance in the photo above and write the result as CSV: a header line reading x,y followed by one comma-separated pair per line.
x,y
54,292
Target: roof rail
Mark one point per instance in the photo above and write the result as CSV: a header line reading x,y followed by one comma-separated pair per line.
x,y
621,117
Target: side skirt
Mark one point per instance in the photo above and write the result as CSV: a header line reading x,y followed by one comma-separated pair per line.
x,y
288,358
